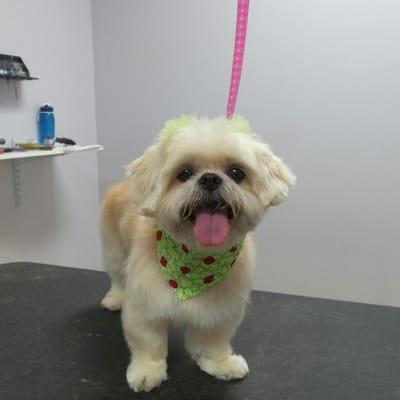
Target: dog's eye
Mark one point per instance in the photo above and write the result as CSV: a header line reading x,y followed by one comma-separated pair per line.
x,y
236,174
184,175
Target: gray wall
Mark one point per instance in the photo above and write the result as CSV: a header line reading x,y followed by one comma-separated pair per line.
x,y
321,85
57,222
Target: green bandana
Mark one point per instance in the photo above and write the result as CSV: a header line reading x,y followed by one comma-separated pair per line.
x,y
191,272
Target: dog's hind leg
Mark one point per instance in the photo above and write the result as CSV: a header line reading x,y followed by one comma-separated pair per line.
x,y
115,257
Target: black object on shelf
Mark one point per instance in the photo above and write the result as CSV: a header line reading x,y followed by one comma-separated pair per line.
x,y
12,67
66,141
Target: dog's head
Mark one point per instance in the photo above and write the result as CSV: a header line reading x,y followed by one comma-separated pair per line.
x,y
208,182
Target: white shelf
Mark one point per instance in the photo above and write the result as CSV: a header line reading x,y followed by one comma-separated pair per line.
x,y
58,151
17,156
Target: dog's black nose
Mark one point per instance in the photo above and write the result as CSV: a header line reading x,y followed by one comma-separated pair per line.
x,y
210,181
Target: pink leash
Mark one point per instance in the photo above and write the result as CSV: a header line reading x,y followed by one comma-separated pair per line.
x,y
238,54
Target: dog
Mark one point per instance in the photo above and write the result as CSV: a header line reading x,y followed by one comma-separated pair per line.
x,y
177,246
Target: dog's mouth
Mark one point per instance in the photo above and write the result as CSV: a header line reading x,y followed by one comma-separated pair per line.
x,y
211,224
192,217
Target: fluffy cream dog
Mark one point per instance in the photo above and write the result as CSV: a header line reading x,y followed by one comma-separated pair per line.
x,y
204,184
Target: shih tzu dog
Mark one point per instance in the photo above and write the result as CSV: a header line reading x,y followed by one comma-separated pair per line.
x,y
177,245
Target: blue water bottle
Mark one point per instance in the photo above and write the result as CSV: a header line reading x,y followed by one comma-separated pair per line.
x,y
46,124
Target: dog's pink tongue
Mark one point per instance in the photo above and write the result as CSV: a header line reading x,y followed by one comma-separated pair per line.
x,y
211,229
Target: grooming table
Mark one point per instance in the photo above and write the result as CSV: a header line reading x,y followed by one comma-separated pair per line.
x,y
57,343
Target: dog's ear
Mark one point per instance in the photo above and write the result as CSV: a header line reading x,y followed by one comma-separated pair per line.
x,y
142,176
275,178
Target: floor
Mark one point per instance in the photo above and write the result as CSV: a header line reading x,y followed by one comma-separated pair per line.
x,y
57,343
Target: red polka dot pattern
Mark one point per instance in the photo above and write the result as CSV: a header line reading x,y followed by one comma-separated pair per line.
x,y
189,271
185,270
173,284
163,261
209,260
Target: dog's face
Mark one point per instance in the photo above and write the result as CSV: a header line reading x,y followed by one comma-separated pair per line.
x,y
207,183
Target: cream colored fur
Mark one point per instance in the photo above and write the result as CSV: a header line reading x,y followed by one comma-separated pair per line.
x,y
150,197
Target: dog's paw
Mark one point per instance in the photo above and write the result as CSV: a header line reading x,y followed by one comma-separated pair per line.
x,y
232,367
143,376
113,300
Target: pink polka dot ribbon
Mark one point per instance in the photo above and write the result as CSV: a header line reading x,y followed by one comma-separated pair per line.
x,y
238,54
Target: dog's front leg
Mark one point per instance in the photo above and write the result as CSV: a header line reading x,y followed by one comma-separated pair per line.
x,y
148,343
212,351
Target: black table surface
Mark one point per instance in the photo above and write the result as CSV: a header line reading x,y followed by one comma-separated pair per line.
x,y
57,343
